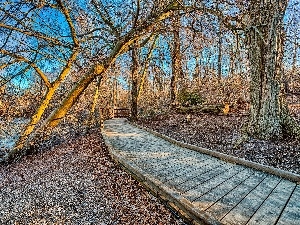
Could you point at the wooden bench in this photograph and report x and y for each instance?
(121, 112)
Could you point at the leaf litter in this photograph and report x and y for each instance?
(76, 182)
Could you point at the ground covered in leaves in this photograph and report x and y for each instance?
(220, 133)
(75, 182)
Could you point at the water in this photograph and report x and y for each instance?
(10, 132)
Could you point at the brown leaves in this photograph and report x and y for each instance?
(75, 183)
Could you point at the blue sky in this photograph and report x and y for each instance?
(52, 22)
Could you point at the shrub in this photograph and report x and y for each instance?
(190, 98)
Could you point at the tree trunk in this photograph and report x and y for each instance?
(176, 61)
(134, 82)
(269, 116)
(35, 119)
(220, 53)
(95, 113)
(113, 97)
(146, 67)
(56, 116)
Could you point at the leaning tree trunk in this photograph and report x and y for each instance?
(269, 115)
(36, 118)
(121, 46)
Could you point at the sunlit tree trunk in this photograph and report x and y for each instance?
(295, 59)
(95, 117)
(35, 119)
(56, 116)
(113, 96)
(98, 70)
(269, 115)
(143, 73)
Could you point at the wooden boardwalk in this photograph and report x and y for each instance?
(202, 188)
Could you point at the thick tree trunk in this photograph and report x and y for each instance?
(134, 83)
(269, 116)
(56, 116)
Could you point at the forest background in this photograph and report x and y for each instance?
(71, 63)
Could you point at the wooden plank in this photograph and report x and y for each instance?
(180, 172)
(171, 160)
(241, 213)
(176, 170)
(167, 162)
(220, 208)
(198, 191)
(200, 169)
(150, 158)
(207, 200)
(291, 214)
(159, 169)
(154, 165)
(205, 174)
(270, 210)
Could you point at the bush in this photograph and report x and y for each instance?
(190, 98)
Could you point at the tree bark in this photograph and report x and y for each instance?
(145, 68)
(56, 116)
(94, 118)
(269, 115)
(220, 53)
(134, 82)
(176, 61)
(35, 119)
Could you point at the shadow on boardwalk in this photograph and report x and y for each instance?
(202, 188)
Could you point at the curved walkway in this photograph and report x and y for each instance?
(202, 188)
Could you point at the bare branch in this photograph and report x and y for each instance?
(36, 35)
(33, 65)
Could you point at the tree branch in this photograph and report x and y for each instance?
(36, 35)
(32, 64)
